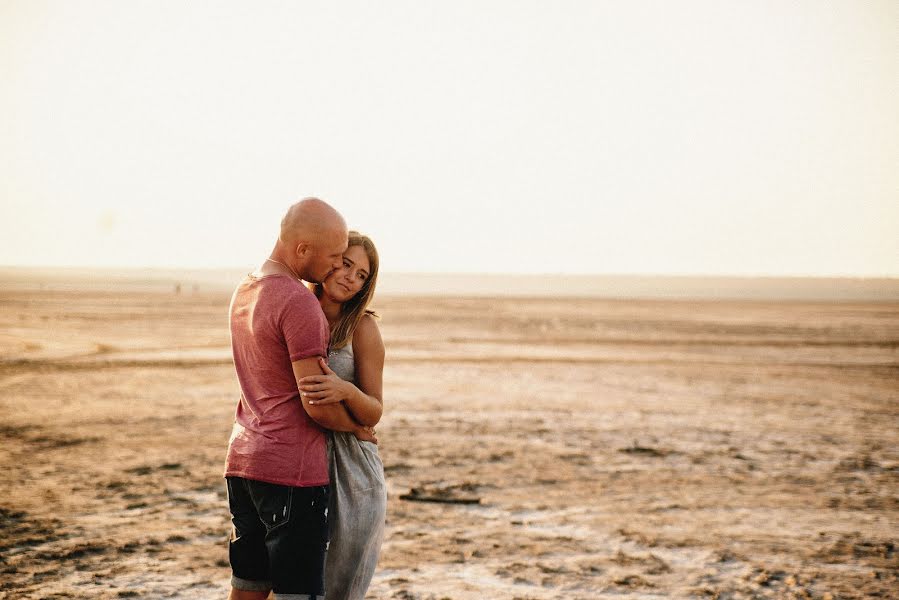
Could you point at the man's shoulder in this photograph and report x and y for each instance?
(298, 295)
(284, 288)
(276, 294)
(295, 301)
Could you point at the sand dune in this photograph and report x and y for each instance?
(610, 448)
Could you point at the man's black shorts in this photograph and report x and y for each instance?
(279, 537)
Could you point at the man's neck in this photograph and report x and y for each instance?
(276, 264)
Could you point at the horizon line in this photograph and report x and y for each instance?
(418, 273)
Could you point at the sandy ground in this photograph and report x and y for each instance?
(619, 449)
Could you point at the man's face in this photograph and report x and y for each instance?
(327, 255)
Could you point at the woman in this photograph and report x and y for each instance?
(358, 501)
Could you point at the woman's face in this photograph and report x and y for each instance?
(345, 282)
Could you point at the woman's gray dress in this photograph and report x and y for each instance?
(358, 504)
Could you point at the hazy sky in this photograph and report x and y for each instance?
(578, 137)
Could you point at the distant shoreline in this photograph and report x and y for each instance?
(659, 287)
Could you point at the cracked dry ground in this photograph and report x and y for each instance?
(627, 449)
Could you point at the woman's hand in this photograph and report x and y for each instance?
(323, 389)
(366, 434)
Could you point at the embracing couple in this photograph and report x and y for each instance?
(303, 465)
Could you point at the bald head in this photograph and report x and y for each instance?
(312, 240)
(308, 219)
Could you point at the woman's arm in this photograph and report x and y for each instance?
(368, 350)
(335, 417)
(364, 400)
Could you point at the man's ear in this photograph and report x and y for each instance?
(302, 249)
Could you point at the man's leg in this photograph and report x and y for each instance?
(250, 574)
(297, 533)
(247, 595)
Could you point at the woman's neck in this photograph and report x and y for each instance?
(330, 308)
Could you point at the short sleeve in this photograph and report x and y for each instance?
(304, 327)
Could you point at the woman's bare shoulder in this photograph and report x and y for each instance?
(367, 334)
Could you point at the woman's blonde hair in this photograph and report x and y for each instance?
(354, 309)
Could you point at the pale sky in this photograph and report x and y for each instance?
(716, 138)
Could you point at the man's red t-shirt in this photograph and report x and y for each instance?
(275, 320)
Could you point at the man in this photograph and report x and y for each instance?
(277, 464)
